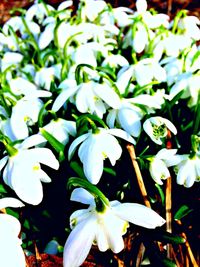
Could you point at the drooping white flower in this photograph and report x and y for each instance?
(45, 76)
(39, 11)
(105, 228)
(160, 162)
(188, 84)
(90, 9)
(11, 59)
(21, 86)
(23, 172)
(95, 148)
(129, 115)
(24, 113)
(11, 253)
(92, 97)
(190, 27)
(188, 170)
(157, 128)
(58, 128)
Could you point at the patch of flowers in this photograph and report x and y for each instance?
(77, 87)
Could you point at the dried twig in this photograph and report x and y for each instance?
(143, 191)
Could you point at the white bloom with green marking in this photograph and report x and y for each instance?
(23, 172)
(104, 227)
(96, 147)
(157, 128)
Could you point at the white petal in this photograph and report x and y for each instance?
(75, 143)
(10, 202)
(3, 162)
(33, 140)
(170, 125)
(26, 185)
(62, 98)
(105, 92)
(44, 156)
(122, 134)
(81, 195)
(130, 121)
(79, 243)
(158, 171)
(139, 215)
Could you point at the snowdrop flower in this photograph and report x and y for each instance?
(58, 128)
(11, 253)
(45, 76)
(160, 162)
(17, 24)
(103, 227)
(129, 115)
(189, 25)
(24, 114)
(95, 148)
(114, 61)
(11, 59)
(144, 72)
(147, 70)
(23, 172)
(171, 44)
(173, 67)
(157, 128)
(188, 170)
(39, 11)
(89, 97)
(21, 86)
(136, 37)
(90, 9)
(188, 83)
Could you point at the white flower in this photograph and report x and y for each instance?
(188, 84)
(95, 148)
(21, 86)
(160, 162)
(90, 9)
(188, 170)
(59, 128)
(39, 11)
(11, 253)
(11, 59)
(189, 25)
(23, 172)
(157, 128)
(45, 76)
(92, 97)
(114, 61)
(24, 113)
(129, 115)
(104, 228)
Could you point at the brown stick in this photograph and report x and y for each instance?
(168, 207)
(188, 248)
(143, 191)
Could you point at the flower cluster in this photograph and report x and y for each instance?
(78, 85)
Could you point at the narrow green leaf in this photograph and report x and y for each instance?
(182, 212)
(77, 168)
(58, 146)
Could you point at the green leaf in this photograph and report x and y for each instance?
(58, 146)
(2, 189)
(110, 171)
(77, 168)
(167, 237)
(78, 182)
(182, 212)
